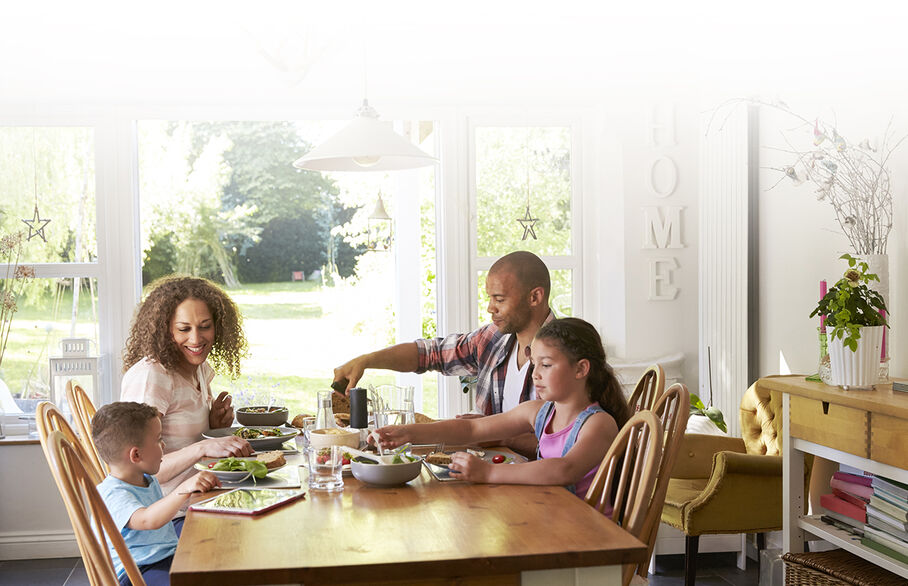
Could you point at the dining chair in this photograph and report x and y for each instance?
(49, 419)
(627, 476)
(83, 410)
(673, 410)
(88, 514)
(648, 390)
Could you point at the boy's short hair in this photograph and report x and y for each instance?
(120, 425)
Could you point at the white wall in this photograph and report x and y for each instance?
(800, 240)
(657, 136)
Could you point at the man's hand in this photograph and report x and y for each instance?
(221, 414)
(348, 374)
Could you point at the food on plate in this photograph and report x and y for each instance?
(498, 458)
(256, 468)
(261, 409)
(272, 459)
(342, 419)
(257, 433)
(439, 459)
(298, 420)
(477, 453)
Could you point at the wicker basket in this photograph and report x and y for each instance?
(835, 567)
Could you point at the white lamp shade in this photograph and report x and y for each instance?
(366, 144)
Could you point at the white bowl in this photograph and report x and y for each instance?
(386, 474)
(334, 436)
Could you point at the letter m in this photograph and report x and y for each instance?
(659, 233)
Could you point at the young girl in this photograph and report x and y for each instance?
(579, 410)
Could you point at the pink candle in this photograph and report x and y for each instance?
(823, 291)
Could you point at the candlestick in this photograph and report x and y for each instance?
(883, 349)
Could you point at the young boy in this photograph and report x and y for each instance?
(128, 437)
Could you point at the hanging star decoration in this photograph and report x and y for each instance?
(36, 225)
(528, 222)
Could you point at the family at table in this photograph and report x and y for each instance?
(544, 389)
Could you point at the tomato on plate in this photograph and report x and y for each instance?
(211, 464)
(497, 459)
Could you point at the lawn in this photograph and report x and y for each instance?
(298, 332)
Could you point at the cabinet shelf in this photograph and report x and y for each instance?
(813, 524)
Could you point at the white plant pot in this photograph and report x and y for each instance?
(860, 369)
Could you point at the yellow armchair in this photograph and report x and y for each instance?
(729, 485)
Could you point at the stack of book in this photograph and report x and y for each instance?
(873, 508)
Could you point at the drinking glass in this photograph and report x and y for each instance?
(326, 468)
(392, 405)
(308, 426)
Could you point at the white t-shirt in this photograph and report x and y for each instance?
(184, 407)
(513, 382)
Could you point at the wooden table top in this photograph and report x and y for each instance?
(882, 399)
(425, 529)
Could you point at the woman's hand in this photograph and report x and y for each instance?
(468, 467)
(394, 435)
(221, 414)
(223, 447)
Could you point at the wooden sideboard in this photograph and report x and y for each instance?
(864, 429)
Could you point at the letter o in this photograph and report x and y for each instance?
(672, 176)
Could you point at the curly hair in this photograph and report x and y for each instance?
(578, 339)
(150, 335)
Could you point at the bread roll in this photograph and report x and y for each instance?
(298, 420)
(340, 403)
(439, 459)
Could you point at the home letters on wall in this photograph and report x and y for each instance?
(662, 225)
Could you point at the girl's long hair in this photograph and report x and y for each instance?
(579, 340)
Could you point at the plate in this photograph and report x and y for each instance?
(228, 475)
(443, 473)
(258, 444)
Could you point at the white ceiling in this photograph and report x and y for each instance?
(429, 51)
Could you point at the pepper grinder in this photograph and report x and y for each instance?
(359, 414)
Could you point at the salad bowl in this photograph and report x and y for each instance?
(260, 438)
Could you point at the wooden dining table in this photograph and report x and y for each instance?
(424, 532)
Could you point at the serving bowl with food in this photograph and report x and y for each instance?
(403, 468)
(262, 415)
(239, 469)
(260, 438)
(334, 436)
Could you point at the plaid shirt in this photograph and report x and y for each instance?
(482, 353)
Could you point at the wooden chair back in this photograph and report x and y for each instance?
(83, 410)
(49, 419)
(673, 410)
(90, 518)
(648, 390)
(626, 477)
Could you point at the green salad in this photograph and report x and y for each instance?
(256, 468)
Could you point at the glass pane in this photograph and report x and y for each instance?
(516, 167)
(559, 298)
(56, 168)
(222, 200)
(48, 310)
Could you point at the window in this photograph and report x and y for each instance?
(48, 173)
(221, 200)
(525, 198)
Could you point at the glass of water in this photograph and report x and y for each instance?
(326, 467)
(392, 405)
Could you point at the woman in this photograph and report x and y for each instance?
(183, 324)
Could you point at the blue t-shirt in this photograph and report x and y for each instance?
(124, 499)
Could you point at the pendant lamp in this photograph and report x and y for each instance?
(366, 144)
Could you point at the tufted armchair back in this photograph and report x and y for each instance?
(761, 421)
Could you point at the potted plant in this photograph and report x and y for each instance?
(855, 318)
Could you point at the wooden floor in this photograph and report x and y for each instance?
(713, 569)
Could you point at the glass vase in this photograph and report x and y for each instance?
(824, 369)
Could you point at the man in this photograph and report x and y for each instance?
(518, 287)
